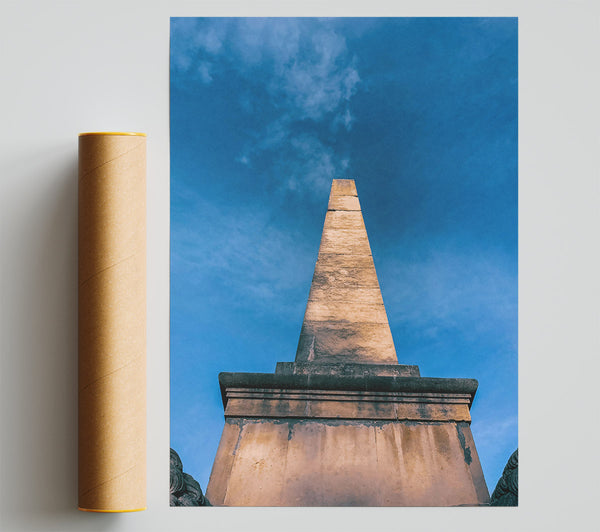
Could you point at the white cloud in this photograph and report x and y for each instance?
(492, 430)
(204, 71)
(449, 288)
(305, 69)
(212, 39)
(315, 164)
(256, 261)
(323, 79)
(256, 40)
(196, 47)
(243, 159)
(345, 119)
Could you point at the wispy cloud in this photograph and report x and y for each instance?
(323, 80)
(305, 76)
(315, 164)
(489, 431)
(194, 52)
(256, 262)
(496, 438)
(449, 288)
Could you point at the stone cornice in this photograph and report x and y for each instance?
(267, 395)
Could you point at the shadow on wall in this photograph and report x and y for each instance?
(38, 377)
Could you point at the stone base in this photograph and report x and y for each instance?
(347, 370)
(305, 439)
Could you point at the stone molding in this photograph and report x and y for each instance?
(419, 399)
(345, 369)
(347, 382)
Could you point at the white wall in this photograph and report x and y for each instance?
(68, 67)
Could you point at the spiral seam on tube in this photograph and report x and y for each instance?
(113, 265)
(104, 172)
(107, 481)
(133, 360)
(81, 177)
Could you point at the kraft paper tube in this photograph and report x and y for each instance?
(112, 322)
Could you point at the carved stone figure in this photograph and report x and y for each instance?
(184, 490)
(507, 489)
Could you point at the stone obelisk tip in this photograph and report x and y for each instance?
(343, 187)
(345, 319)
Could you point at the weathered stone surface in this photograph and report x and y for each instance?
(217, 485)
(365, 296)
(325, 396)
(359, 383)
(354, 314)
(341, 342)
(345, 319)
(467, 444)
(348, 463)
(507, 489)
(345, 424)
(345, 242)
(258, 467)
(343, 203)
(343, 276)
(184, 489)
(343, 187)
(344, 220)
(347, 370)
(348, 406)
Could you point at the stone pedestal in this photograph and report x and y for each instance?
(310, 439)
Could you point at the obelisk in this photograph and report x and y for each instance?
(345, 320)
(345, 424)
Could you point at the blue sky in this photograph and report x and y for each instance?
(422, 113)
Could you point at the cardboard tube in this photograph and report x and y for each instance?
(112, 322)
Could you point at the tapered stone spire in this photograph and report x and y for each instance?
(345, 320)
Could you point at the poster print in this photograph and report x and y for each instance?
(343, 261)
